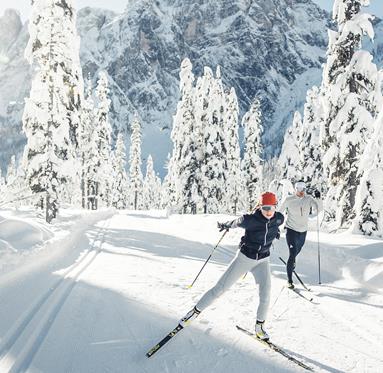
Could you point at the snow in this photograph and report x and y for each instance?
(97, 290)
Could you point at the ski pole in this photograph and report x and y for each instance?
(189, 286)
(319, 279)
(276, 299)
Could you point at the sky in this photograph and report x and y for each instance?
(23, 6)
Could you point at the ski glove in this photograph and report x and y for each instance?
(317, 194)
(223, 226)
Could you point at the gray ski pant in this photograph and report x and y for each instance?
(240, 265)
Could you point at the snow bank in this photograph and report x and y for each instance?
(20, 235)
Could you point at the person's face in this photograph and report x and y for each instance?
(268, 211)
(300, 193)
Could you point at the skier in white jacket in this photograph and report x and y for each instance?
(298, 208)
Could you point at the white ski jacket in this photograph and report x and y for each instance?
(299, 209)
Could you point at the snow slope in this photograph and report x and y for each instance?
(102, 288)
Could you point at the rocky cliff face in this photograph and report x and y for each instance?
(15, 82)
(272, 49)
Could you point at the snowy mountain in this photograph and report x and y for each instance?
(271, 49)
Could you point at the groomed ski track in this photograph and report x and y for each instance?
(124, 286)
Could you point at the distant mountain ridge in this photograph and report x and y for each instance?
(272, 49)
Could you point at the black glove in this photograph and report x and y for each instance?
(278, 236)
(223, 226)
(317, 193)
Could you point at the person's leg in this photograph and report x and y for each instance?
(292, 245)
(237, 268)
(301, 239)
(261, 273)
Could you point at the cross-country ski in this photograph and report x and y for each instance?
(275, 348)
(300, 294)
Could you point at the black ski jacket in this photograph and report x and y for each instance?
(259, 233)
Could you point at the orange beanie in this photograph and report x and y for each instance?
(268, 198)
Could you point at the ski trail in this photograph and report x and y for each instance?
(45, 310)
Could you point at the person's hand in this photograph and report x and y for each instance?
(278, 236)
(223, 226)
(317, 193)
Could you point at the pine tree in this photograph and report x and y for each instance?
(104, 131)
(3, 188)
(168, 192)
(214, 166)
(349, 86)
(158, 189)
(186, 137)
(290, 158)
(369, 202)
(310, 144)
(135, 174)
(90, 161)
(51, 113)
(252, 161)
(150, 187)
(234, 182)
(120, 182)
(11, 171)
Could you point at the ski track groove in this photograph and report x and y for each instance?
(347, 324)
(54, 300)
(320, 311)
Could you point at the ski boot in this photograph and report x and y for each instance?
(260, 332)
(189, 317)
(290, 285)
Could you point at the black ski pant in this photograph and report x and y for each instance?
(295, 241)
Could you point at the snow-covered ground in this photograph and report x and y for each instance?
(95, 291)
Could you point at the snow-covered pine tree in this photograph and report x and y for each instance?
(369, 201)
(168, 191)
(214, 165)
(310, 144)
(16, 187)
(252, 161)
(350, 93)
(150, 187)
(290, 158)
(104, 131)
(270, 173)
(3, 188)
(234, 190)
(135, 173)
(120, 183)
(88, 147)
(11, 171)
(158, 187)
(186, 137)
(51, 115)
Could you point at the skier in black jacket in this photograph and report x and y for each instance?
(261, 228)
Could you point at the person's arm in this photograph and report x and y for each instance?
(280, 221)
(317, 204)
(283, 206)
(237, 223)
